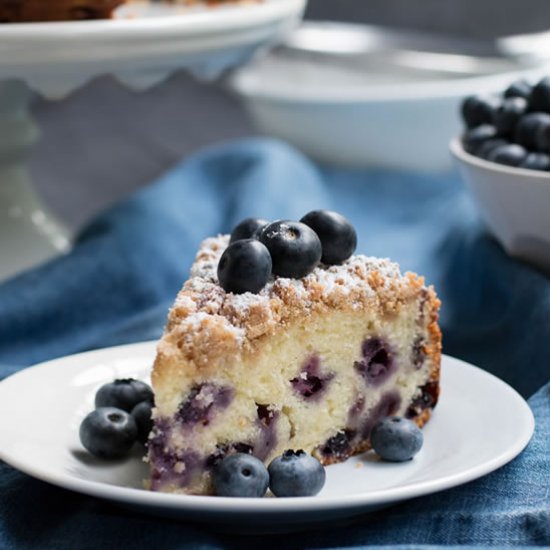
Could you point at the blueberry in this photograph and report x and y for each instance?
(337, 235)
(542, 137)
(108, 432)
(396, 439)
(510, 155)
(339, 445)
(123, 394)
(536, 161)
(527, 128)
(477, 110)
(245, 266)
(240, 475)
(309, 386)
(507, 115)
(296, 474)
(141, 413)
(488, 145)
(202, 402)
(473, 139)
(294, 247)
(519, 88)
(429, 395)
(247, 229)
(310, 382)
(539, 100)
(377, 363)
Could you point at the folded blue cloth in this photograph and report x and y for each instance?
(117, 283)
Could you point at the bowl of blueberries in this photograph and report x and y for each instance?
(504, 158)
(362, 96)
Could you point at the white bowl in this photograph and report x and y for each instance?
(515, 204)
(356, 112)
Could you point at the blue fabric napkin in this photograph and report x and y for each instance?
(126, 267)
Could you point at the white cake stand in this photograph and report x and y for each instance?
(141, 46)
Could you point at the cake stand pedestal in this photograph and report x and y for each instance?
(140, 47)
(29, 234)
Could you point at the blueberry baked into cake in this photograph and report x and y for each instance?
(282, 339)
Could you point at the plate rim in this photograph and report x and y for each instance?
(237, 506)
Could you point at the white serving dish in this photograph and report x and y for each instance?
(375, 111)
(141, 46)
(514, 202)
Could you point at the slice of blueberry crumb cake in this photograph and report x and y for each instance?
(311, 357)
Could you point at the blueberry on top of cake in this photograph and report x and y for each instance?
(307, 363)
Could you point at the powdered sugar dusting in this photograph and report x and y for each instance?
(203, 321)
(353, 283)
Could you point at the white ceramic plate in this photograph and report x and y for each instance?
(464, 440)
(142, 44)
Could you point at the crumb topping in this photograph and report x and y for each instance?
(205, 315)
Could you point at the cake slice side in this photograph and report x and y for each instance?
(310, 363)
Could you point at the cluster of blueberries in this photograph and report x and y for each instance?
(513, 129)
(122, 416)
(259, 249)
(298, 474)
(293, 474)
